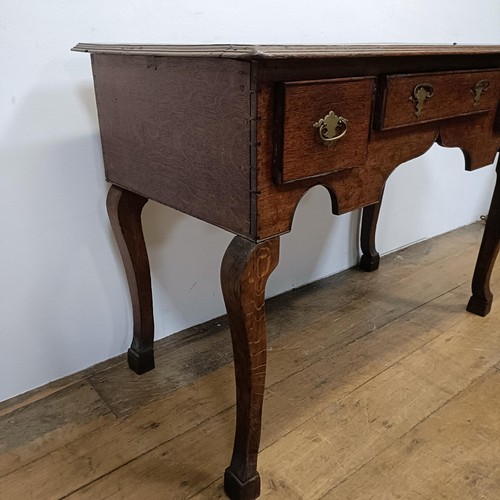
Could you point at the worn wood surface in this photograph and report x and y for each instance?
(250, 52)
(476, 136)
(245, 269)
(452, 96)
(362, 186)
(37, 428)
(349, 189)
(454, 453)
(365, 373)
(202, 349)
(299, 152)
(177, 131)
(200, 131)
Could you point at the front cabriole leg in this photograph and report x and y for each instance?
(124, 210)
(245, 269)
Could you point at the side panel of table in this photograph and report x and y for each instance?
(177, 131)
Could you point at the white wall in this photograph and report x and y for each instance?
(64, 303)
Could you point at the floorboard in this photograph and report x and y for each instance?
(379, 386)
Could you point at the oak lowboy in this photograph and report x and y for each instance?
(235, 135)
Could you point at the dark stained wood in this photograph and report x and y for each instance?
(223, 133)
(177, 131)
(370, 258)
(349, 189)
(299, 151)
(124, 210)
(475, 135)
(241, 205)
(272, 70)
(358, 187)
(452, 97)
(244, 272)
(482, 297)
(284, 69)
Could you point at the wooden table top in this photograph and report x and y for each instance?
(253, 52)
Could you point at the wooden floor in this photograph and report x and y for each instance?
(380, 386)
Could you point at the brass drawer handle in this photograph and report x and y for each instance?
(478, 90)
(331, 128)
(421, 93)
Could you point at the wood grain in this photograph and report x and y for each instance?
(475, 136)
(244, 272)
(38, 428)
(299, 152)
(251, 52)
(345, 435)
(359, 187)
(177, 131)
(175, 444)
(354, 307)
(200, 132)
(452, 454)
(348, 189)
(178, 469)
(452, 97)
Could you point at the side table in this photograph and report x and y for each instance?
(235, 135)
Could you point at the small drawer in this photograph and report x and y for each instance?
(321, 126)
(426, 97)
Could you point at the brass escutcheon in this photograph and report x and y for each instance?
(478, 90)
(331, 128)
(421, 93)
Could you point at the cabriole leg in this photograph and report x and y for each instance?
(124, 210)
(245, 269)
(482, 298)
(370, 258)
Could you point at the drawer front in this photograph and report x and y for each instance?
(321, 127)
(426, 97)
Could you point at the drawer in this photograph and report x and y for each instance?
(320, 126)
(426, 97)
